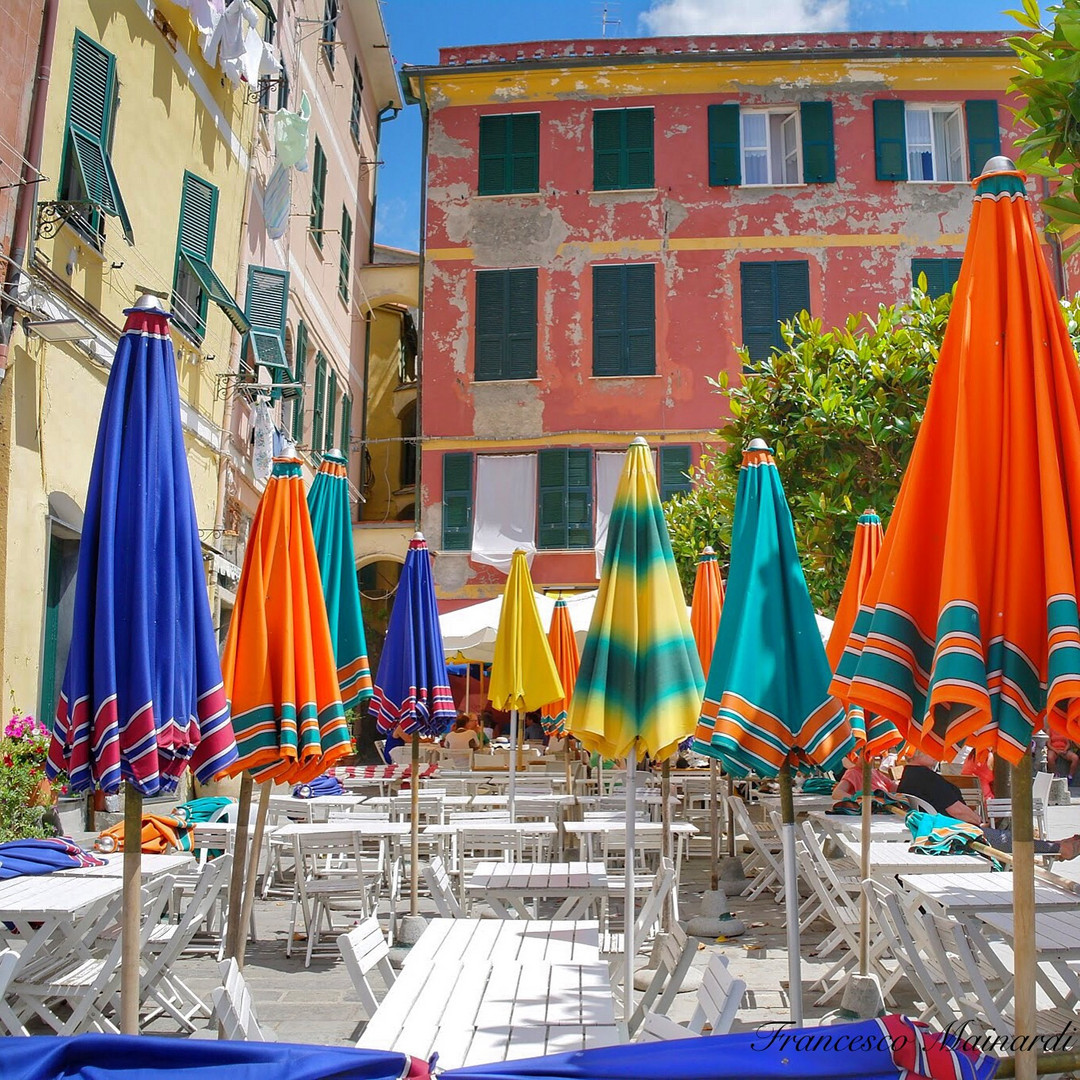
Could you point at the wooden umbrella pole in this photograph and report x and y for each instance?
(132, 911)
(252, 868)
(864, 868)
(667, 916)
(236, 879)
(1023, 852)
(714, 827)
(414, 837)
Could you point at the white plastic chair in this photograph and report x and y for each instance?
(235, 1009)
(441, 889)
(765, 857)
(9, 1022)
(363, 949)
(718, 1003)
(673, 954)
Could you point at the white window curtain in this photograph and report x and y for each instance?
(504, 509)
(609, 467)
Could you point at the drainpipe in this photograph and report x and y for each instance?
(417, 502)
(379, 120)
(24, 206)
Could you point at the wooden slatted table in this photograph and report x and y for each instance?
(964, 894)
(888, 827)
(464, 997)
(151, 867)
(508, 886)
(891, 860)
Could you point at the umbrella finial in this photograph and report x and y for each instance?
(758, 444)
(1000, 163)
(148, 302)
(707, 550)
(418, 535)
(640, 441)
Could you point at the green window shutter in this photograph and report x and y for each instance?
(265, 307)
(319, 403)
(345, 257)
(640, 319)
(318, 193)
(818, 147)
(524, 137)
(329, 31)
(725, 164)
(493, 164)
(983, 132)
(457, 501)
(299, 369)
(509, 154)
(792, 291)
(551, 499)
(941, 274)
(639, 148)
(490, 324)
(90, 103)
(579, 499)
(607, 149)
(331, 410)
(356, 106)
(890, 141)
(521, 324)
(607, 320)
(674, 470)
(346, 426)
(759, 329)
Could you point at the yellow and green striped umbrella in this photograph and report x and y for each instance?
(640, 678)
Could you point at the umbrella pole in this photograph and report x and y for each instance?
(864, 869)
(791, 895)
(468, 682)
(513, 761)
(252, 869)
(731, 817)
(414, 837)
(236, 880)
(1023, 852)
(714, 828)
(629, 944)
(665, 837)
(132, 917)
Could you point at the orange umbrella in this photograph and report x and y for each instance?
(880, 734)
(564, 651)
(706, 606)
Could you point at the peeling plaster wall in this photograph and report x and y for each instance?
(857, 234)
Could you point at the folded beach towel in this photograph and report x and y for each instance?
(881, 802)
(321, 785)
(205, 809)
(818, 785)
(160, 835)
(939, 834)
(23, 858)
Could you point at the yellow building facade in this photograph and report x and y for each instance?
(146, 150)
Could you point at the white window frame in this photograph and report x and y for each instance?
(789, 113)
(933, 109)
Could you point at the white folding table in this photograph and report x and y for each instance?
(892, 860)
(964, 894)
(508, 886)
(887, 827)
(151, 867)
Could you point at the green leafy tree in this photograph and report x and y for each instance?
(1049, 85)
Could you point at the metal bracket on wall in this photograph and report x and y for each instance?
(52, 215)
(264, 86)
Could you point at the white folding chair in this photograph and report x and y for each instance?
(765, 858)
(441, 889)
(363, 949)
(235, 1009)
(9, 1022)
(647, 920)
(718, 1003)
(673, 953)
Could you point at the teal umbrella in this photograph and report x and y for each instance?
(331, 525)
(767, 703)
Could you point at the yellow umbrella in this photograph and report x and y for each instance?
(523, 672)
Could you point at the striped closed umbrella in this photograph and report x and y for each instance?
(639, 687)
(706, 605)
(523, 673)
(331, 524)
(767, 703)
(564, 652)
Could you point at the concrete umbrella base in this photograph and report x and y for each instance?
(715, 919)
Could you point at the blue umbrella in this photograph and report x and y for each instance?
(142, 696)
(412, 687)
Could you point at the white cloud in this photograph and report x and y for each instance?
(673, 18)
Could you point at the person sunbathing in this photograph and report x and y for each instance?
(850, 784)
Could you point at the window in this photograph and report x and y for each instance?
(265, 306)
(771, 146)
(63, 566)
(318, 193)
(674, 470)
(565, 497)
(941, 274)
(457, 501)
(319, 404)
(408, 445)
(346, 426)
(622, 149)
(283, 89)
(266, 86)
(329, 31)
(356, 109)
(505, 324)
(297, 396)
(345, 258)
(86, 170)
(331, 410)
(771, 292)
(926, 142)
(194, 280)
(509, 154)
(624, 320)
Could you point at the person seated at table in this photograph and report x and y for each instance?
(920, 779)
(462, 737)
(534, 730)
(395, 739)
(1002, 840)
(1061, 757)
(472, 723)
(980, 763)
(851, 783)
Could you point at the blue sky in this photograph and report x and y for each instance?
(419, 28)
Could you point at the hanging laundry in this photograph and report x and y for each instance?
(205, 14)
(236, 47)
(262, 453)
(291, 135)
(276, 202)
